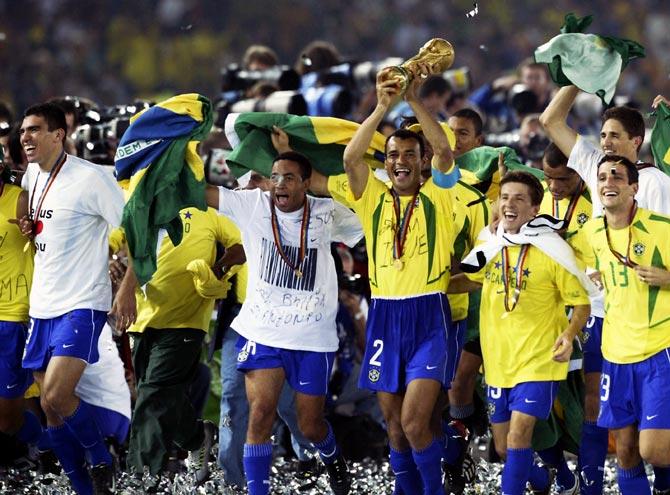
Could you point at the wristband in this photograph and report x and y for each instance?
(448, 180)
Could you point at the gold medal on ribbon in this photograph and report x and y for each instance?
(398, 264)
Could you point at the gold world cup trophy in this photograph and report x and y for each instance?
(438, 54)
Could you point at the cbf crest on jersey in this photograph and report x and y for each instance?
(638, 248)
(582, 218)
(373, 375)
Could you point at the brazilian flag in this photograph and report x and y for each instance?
(660, 138)
(158, 165)
(321, 139)
(479, 168)
(591, 62)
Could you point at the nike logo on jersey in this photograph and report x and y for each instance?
(304, 383)
(649, 418)
(189, 340)
(528, 401)
(67, 346)
(9, 387)
(430, 367)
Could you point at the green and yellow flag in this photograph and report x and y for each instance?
(591, 62)
(321, 139)
(157, 163)
(479, 168)
(660, 138)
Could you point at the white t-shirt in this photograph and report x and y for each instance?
(71, 246)
(103, 384)
(654, 186)
(281, 309)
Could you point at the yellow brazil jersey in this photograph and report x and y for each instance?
(171, 300)
(428, 246)
(338, 187)
(16, 266)
(579, 211)
(517, 346)
(472, 211)
(637, 320)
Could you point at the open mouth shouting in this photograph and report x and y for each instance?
(402, 173)
(510, 216)
(29, 149)
(281, 199)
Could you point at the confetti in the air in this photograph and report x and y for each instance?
(484, 48)
(187, 27)
(306, 60)
(473, 12)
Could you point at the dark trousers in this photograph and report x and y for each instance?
(165, 362)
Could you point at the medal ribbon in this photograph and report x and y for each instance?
(402, 224)
(518, 276)
(624, 260)
(47, 185)
(304, 228)
(572, 206)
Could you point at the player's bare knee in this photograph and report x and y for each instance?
(656, 454)
(415, 429)
(313, 429)
(396, 436)
(260, 416)
(52, 402)
(519, 438)
(627, 453)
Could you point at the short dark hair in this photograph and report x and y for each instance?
(554, 157)
(260, 53)
(52, 113)
(435, 84)
(321, 54)
(68, 106)
(407, 134)
(631, 168)
(630, 119)
(303, 162)
(523, 177)
(472, 116)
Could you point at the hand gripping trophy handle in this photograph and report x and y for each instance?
(437, 53)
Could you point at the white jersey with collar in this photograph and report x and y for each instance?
(281, 309)
(71, 245)
(654, 185)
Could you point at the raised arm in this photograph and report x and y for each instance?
(443, 158)
(555, 119)
(318, 184)
(354, 164)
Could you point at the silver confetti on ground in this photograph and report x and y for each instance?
(368, 477)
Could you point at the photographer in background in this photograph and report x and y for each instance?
(509, 98)
(259, 57)
(532, 141)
